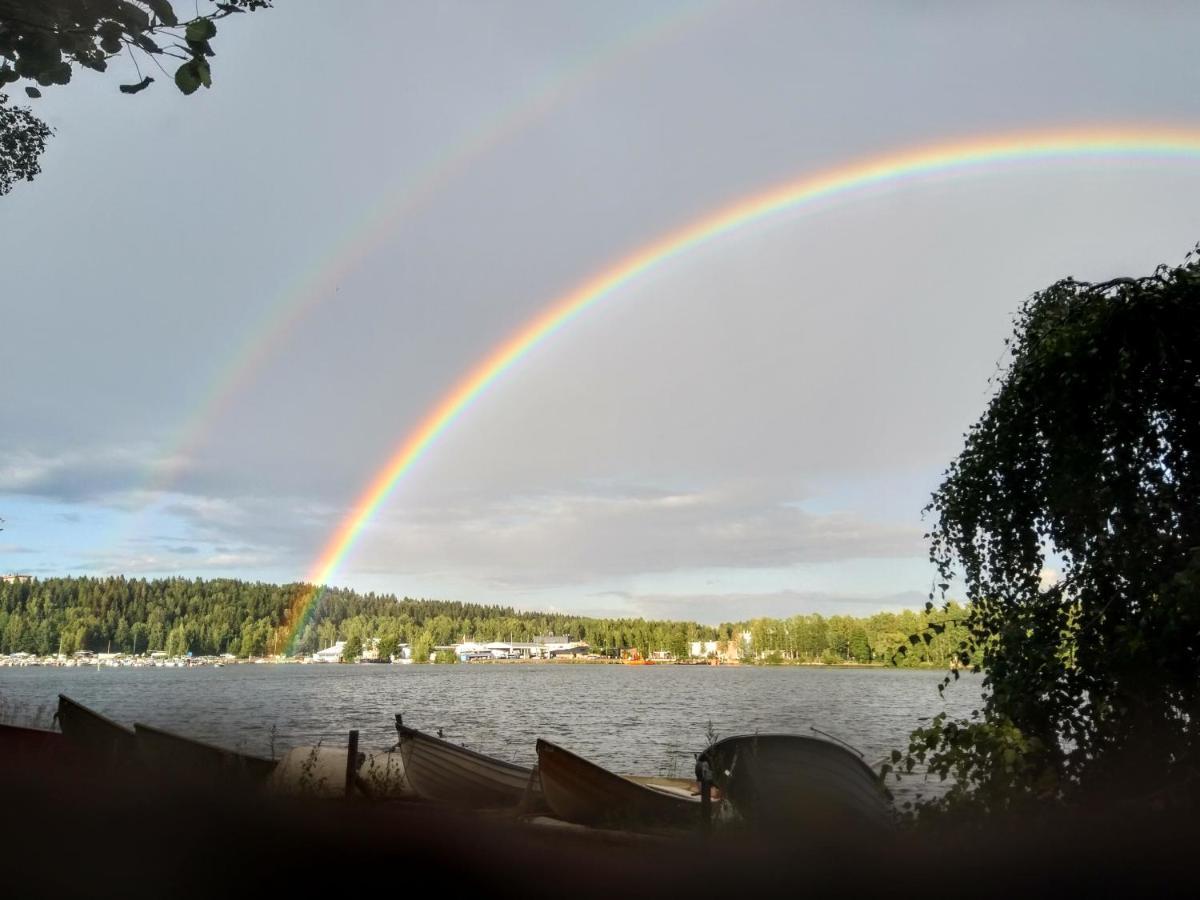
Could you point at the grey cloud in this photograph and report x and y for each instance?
(573, 538)
(102, 474)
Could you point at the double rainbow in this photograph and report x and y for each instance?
(976, 155)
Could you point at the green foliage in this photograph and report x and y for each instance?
(42, 41)
(353, 649)
(1086, 456)
(881, 638)
(422, 648)
(389, 640)
(445, 657)
(252, 619)
(177, 642)
(22, 141)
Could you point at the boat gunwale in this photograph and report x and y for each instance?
(88, 711)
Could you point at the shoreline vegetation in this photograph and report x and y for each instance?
(179, 621)
(118, 661)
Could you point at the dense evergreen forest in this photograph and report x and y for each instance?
(208, 617)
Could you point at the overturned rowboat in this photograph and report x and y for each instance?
(186, 758)
(19, 744)
(438, 770)
(796, 783)
(95, 735)
(580, 791)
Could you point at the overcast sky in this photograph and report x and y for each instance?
(750, 429)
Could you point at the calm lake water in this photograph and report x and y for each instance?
(645, 720)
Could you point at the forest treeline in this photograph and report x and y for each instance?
(214, 616)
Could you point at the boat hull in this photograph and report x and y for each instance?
(580, 791)
(95, 735)
(789, 783)
(32, 746)
(187, 759)
(443, 772)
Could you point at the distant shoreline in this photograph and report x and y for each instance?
(127, 662)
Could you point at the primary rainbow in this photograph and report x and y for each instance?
(981, 153)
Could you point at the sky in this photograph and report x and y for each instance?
(365, 206)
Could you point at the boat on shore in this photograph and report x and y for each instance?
(580, 791)
(31, 745)
(96, 735)
(790, 783)
(443, 772)
(187, 758)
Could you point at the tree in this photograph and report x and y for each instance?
(22, 142)
(177, 642)
(389, 641)
(41, 42)
(1086, 458)
(353, 649)
(423, 647)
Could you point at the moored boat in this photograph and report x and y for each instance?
(186, 758)
(94, 734)
(580, 791)
(438, 770)
(790, 783)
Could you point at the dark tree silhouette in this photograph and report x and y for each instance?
(1087, 458)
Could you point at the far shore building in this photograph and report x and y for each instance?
(726, 651)
(330, 654)
(546, 646)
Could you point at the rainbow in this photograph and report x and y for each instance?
(981, 154)
(317, 283)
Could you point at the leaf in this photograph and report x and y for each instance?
(200, 30)
(133, 17)
(33, 92)
(187, 79)
(135, 88)
(162, 9)
(146, 44)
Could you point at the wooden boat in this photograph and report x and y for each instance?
(789, 783)
(581, 791)
(97, 736)
(447, 773)
(189, 759)
(34, 745)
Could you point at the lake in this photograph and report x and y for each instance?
(644, 720)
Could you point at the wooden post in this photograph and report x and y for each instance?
(704, 776)
(351, 761)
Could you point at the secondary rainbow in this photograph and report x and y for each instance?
(311, 287)
(976, 155)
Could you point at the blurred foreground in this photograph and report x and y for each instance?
(73, 829)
